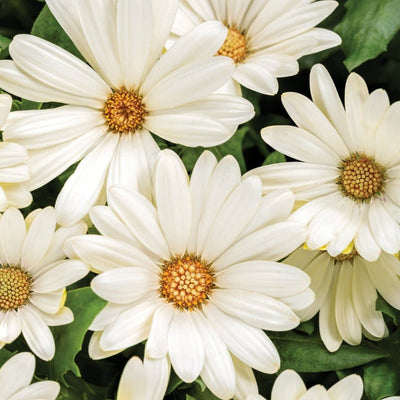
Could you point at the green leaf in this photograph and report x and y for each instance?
(308, 353)
(274, 157)
(6, 355)
(78, 389)
(4, 42)
(382, 378)
(85, 305)
(382, 305)
(48, 28)
(367, 28)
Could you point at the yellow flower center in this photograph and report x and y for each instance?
(234, 46)
(124, 111)
(361, 177)
(15, 287)
(346, 256)
(186, 282)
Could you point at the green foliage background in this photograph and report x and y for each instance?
(371, 47)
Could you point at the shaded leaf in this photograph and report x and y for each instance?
(308, 353)
(367, 28)
(47, 27)
(274, 157)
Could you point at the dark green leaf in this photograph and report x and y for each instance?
(78, 389)
(5, 355)
(4, 42)
(367, 28)
(381, 305)
(382, 378)
(308, 353)
(48, 28)
(85, 305)
(274, 157)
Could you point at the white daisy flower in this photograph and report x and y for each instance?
(290, 386)
(349, 175)
(15, 378)
(132, 89)
(147, 380)
(202, 262)
(265, 38)
(33, 277)
(346, 289)
(14, 172)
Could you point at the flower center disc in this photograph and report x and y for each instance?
(362, 178)
(186, 281)
(15, 288)
(124, 111)
(234, 46)
(348, 256)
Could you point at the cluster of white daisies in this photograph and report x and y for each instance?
(192, 265)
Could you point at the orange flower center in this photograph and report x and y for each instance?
(15, 287)
(361, 177)
(124, 111)
(186, 282)
(234, 46)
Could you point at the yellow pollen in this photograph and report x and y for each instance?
(124, 111)
(361, 177)
(234, 46)
(186, 281)
(346, 256)
(15, 287)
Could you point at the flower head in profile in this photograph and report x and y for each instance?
(265, 38)
(195, 272)
(33, 277)
(14, 172)
(130, 89)
(349, 176)
(346, 289)
(16, 375)
(144, 380)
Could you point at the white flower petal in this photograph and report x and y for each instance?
(11, 153)
(16, 373)
(38, 238)
(83, 187)
(140, 216)
(157, 342)
(40, 390)
(348, 324)
(299, 144)
(256, 77)
(172, 195)
(251, 345)
(10, 326)
(12, 236)
(132, 384)
(37, 334)
(95, 350)
(59, 69)
(232, 218)
(364, 299)
(157, 370)
(63, 274)
(288, 385)
(62, 317)
(116, 285)
(255, 309)
(185, 347)
(218, 372)
(5, 107)
(349, 388)
(47, 302)
(265, 277)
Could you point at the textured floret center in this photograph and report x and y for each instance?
(15, 287)
(186, 282)
(361, 177)
(234, 46)
(346, 256)
(124, 111)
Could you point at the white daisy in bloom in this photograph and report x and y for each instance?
(15, 378)
(265, 38)
(132, 89)
(14, 172)
(196, 274)
(349, 176)
(33, 277)
(147, 380)
(290, 386)
(346, 289)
